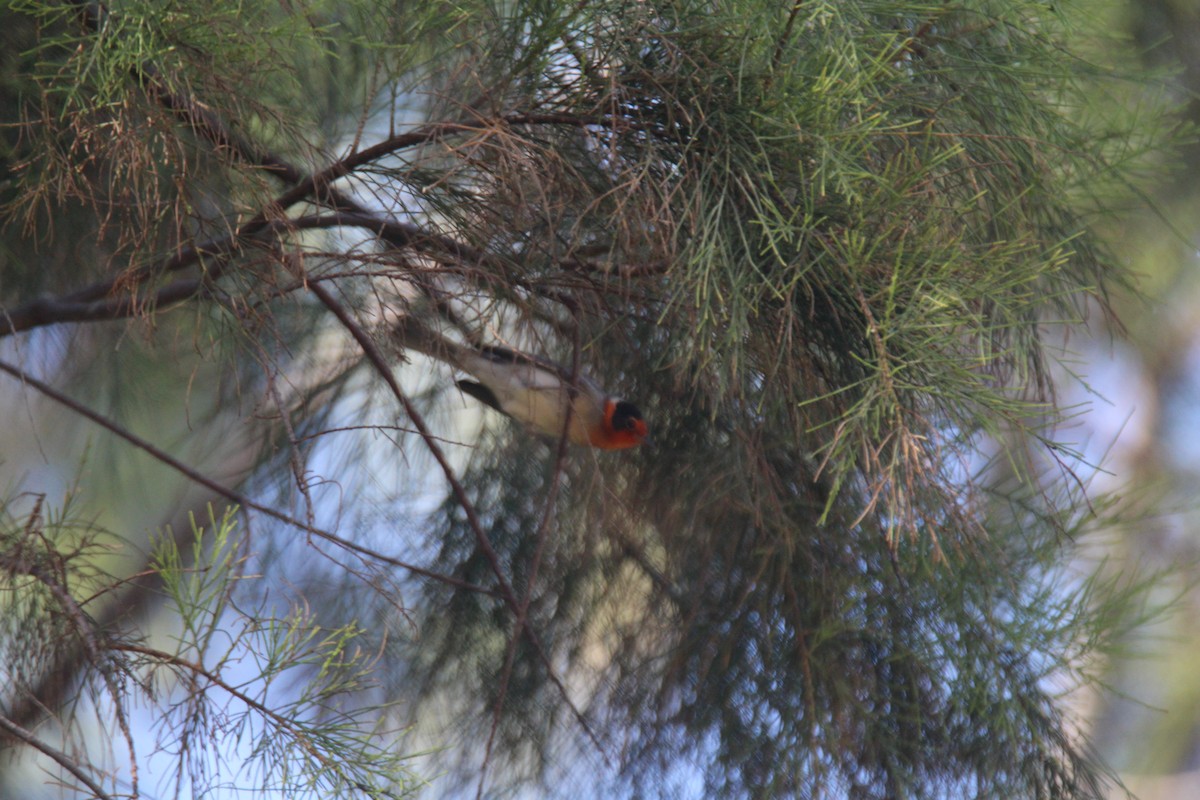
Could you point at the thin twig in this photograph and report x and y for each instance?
(224, 491)
(781, 42)
(283, 722)
(375, 357)
(542, 530)
(66, 762)
(85, 630)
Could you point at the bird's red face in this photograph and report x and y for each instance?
(623, 427)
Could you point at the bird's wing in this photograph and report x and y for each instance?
(539, 373)
(481, 393)
(534, 391)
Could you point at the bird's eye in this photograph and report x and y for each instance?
(624, 417)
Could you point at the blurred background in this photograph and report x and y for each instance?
(1145, 424)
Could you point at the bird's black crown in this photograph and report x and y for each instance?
(624, 415)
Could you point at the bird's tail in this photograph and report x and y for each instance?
(412, 334)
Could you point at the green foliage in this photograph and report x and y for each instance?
(278, 690)
(824, 246)
(290, 713)
(51, 581)
(854, 236)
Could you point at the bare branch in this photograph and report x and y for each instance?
(224, 491)
(371, 350)
(66, 762)
(50, 571)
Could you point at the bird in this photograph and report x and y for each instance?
(533, 390)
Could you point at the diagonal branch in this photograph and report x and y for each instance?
(51, 571)
(99, 301)
(96, 301)
(65, 761)
(224, 491)
(132, 596)
(373, 354)
(543, 531)
(283, 722)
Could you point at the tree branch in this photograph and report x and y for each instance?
(49, 569)
(66, 762)
(371, 350)
(223, 491)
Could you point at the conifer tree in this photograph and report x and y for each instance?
(829, 249)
